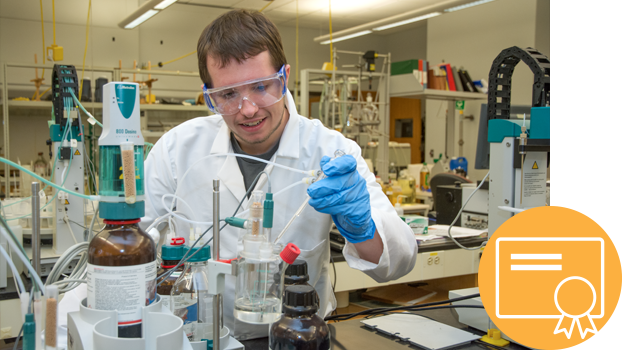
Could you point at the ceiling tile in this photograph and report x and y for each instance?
(219, 3)
(303, 6)
(259, 4)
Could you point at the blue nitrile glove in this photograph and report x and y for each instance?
(343, 194)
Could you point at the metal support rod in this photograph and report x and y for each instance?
(36, 225)
(217, 297)
(216, 320)
(216, 220)
(5, 129)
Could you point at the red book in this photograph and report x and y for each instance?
(450, 77)
(421, 72)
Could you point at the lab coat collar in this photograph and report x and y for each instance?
(289, 142)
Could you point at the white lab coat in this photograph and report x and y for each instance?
(303, 144)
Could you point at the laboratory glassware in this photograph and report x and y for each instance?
(190, 299)
(121, 264)
(299, 328)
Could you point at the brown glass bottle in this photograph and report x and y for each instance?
(114, 256)
(170, 256)
(297, 274)
(299, 328)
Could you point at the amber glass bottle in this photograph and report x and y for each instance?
(170, 255)
(121, 273)
(299, 328)
(297, 274)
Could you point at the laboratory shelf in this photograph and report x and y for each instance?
(431, 94)
(98, 105)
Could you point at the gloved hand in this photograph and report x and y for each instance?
(344, 195)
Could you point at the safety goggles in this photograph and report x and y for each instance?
(262, 92)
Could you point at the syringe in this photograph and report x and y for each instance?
(320, 176)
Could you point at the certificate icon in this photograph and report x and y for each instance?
(560, 278)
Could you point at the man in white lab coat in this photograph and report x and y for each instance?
(244, 70)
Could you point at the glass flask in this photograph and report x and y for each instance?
(190, 299)
(121, 273)
(170, 256)
(40, 167)
(299, 328)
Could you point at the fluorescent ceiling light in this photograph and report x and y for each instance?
(411, 20)
(144, 12)
(471, 4)
(163, 5)
(364, 32)
(144, 17)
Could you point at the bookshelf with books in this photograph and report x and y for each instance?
(419, 79)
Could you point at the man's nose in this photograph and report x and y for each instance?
(248, 108)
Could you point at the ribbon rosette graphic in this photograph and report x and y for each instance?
(567, 322)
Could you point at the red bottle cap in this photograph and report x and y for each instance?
(290, 253)
(177, 241)
(122, 222)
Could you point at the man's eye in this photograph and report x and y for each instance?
(227, 95)
(262, 87)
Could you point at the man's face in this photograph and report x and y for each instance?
(256, 129)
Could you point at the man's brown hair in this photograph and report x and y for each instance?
(239, 35)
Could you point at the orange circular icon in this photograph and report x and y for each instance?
(550, 278)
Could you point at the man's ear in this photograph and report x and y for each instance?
(287, 71)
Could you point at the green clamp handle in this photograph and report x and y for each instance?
(236, 222)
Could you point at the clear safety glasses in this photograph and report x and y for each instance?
(261, 93)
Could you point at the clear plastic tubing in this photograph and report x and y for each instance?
(280, 192)
(15, 165)
(24, 259)
(13, 269)
(305, 172)
(172, 213)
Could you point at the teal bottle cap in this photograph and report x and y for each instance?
(203, 255)
(172, 252)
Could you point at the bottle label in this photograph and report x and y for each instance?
(122, 288)
(165, 301)
(185, 307)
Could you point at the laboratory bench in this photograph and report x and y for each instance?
(437, 258)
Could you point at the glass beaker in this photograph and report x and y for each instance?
(255, 300)
(258, 295)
